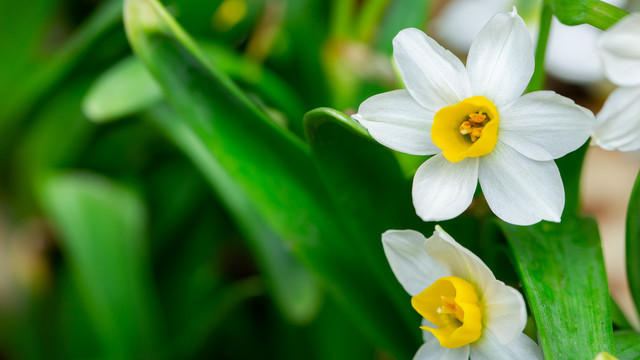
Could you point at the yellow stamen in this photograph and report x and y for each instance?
(451, 303)
(466, 129)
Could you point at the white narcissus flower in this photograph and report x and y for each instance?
(466, 311)
(479, 126)
(618, 123)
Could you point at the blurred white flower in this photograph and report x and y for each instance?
(466, 311)
(618, 123)
(479, 126)
(572, 53)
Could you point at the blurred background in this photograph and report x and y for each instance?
(113, 243)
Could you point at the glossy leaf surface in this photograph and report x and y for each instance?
(564, 261)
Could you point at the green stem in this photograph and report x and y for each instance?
(341, 15)
(369, 18)
(537, 80)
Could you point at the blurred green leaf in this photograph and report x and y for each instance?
(294, 289)
(344, 342)
(367, 185)
(124, 89)
(593, 12)
(402, 14)
(264, 175)
(222, 301)
(55, 138)
(562, 269)
(70, 333)
(633, 243)
(37, 82)
(128, 87)
(102, 230)
(627, 345)
(23, 25)
(618, 317)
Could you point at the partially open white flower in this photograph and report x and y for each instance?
(618, 123)
(478, 124)
(466, 311)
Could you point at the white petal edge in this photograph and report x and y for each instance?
(397, 121)
(433, 75)
(543, 125)
(489, 348)
(443, 190)
(620, 51)
(519, 190)
(410, 263)
(501, 59)
(432, 350)
(618, 122)
(504, 310)
(458, 261)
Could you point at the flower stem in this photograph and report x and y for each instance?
(340, 18)
(369, 19)
(538, 78)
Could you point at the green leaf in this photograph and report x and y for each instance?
(562, 269)
(102, 230)
(594, 12)
(618, 317)
(402, 14)
(124, 89)
(28, 90)
(570, 167)
(367, 185)
(627, 345)
(265, 176)
(633, 243)
(56, 136)
(128, 87)
(294, 289)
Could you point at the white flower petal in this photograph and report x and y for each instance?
(489, 348)
(458, 261)
(544, 125)
(519, 190)
(504, 310)
(413, 268)
(620, 51)
(501, 62)
(443, 190)
(432, 350)
(618, 123)
(397, 121)
(434, 76)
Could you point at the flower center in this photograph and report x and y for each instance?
(451, 303)
(466, 129)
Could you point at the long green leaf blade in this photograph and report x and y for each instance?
(633, 243)
(102, 229)
(294, 289)
(367, 185)
(627, 345)
(562, 268)
(268, 168)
